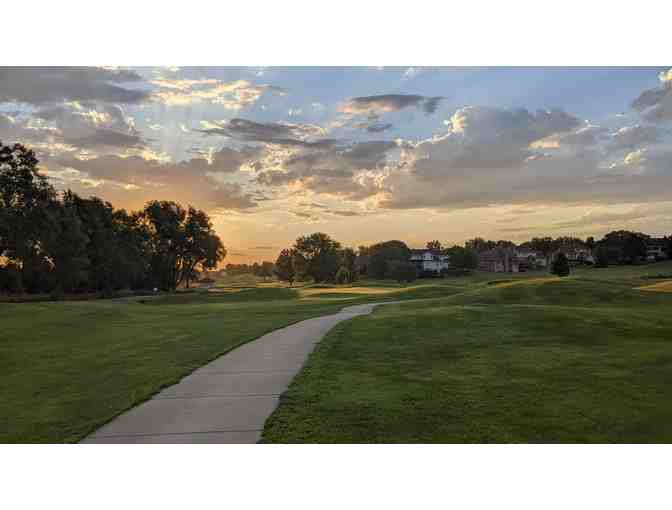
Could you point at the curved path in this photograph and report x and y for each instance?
(229, 399)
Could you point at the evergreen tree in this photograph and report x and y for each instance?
(560, 266)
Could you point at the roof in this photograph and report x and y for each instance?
(420, 251)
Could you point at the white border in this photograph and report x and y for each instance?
(344, 33)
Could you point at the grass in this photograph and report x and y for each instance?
(516, 360)
(67, 368)
(540, 359)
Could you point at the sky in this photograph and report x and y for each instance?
(363, 154)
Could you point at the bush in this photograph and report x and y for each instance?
(401, 271)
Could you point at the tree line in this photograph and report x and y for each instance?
(320, 258)
(58, 243)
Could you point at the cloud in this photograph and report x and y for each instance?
(631, 137)
(496, 157)
(656, 104)
(77, 126)
(592, 218)
(374, 106)
(233, 95)
(49, 85)
(133, 180)
(374, 127)
(486, 139)
(346, 213)
(279, 133)
(347, 172)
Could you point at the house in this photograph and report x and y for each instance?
(656, 249)
(578, 256)
(429, 262)
(499, 260)
(529, 259)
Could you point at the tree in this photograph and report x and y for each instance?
(590, 243)
(348, 259)
(602, 256)
(317, 256)
(362, 260)
(625, 246)
(181, 242)
(24, 197)
(478, 244)
(462, 258)
(65, 244)
(266, 270)
(382, 253)
(544, 245)
(401, 271)
(434, 245)
(560, 265)
(285, 268)
(343, 276)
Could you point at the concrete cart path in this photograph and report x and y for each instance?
(229, 399)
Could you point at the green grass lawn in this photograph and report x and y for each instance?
(67, 368)
(470, 363)
(582, 359)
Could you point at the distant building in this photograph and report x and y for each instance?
(429, 261)
(577, 256)
(530, 259)
(656, 249)
(499, 260)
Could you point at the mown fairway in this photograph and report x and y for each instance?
(67, 368)
(583, 359)
(484, 358)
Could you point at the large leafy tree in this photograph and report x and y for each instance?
(317, 256)
(401, 271)
(382, 253)
(25, 196)
(625, 246)
(65, 245)
(462, 258)
(181, 241)
(285, 268)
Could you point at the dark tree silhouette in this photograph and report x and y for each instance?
(317, 256)
(285, 268)
(560, 265)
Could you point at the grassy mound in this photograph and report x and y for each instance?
(558, 360)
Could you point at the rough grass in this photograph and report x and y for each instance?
(580, 359)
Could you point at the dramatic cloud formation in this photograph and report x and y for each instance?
(234, 95)
(491, 156)
(394, 161)
(374, 106)
(656, 104)
(130, 179)
(349, 171)
(43, 85)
